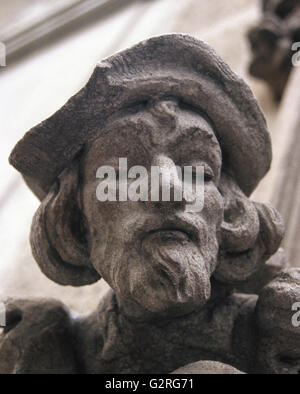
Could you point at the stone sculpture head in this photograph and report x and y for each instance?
(274, 42)
(167, 101)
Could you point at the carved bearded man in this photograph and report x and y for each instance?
(177, 277)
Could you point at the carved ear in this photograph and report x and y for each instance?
(271, 227)
(240, 226)
(250, 234)
(59, 235)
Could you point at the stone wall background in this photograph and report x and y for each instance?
(39, 82)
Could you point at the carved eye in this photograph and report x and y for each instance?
(208, 173)
(208, 176)
(197, 173)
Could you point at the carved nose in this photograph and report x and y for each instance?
(166, 186)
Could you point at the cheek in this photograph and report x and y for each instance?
(111, 223)
(213, 206)
(96, 217)
(112, 242)
(212, 215)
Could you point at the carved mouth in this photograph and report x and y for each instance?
(174, 229)
(170, 233)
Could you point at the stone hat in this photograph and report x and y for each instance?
(172, 65)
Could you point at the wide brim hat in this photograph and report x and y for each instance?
(172, 65)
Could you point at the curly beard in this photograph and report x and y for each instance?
(170, 274)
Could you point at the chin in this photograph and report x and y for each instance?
(173, 301)
(168, 279)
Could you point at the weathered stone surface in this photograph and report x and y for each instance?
(152, 71)
(167, 101)
(279, 348)
(271, 43)
(37, 338)
(266, 274)
(208, 367)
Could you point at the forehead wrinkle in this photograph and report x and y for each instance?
(149, 133)
(146, 132)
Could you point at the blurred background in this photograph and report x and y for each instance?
(51, 50)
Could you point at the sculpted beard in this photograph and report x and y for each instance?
(168, 273)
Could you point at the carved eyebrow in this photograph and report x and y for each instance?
(189, 139)
(196, 129)
(188, 133)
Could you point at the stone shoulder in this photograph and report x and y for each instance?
(37, 338)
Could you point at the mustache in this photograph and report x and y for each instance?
(191, 228)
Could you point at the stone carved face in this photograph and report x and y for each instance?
(155, 253)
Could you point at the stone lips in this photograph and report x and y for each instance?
(172, 65)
